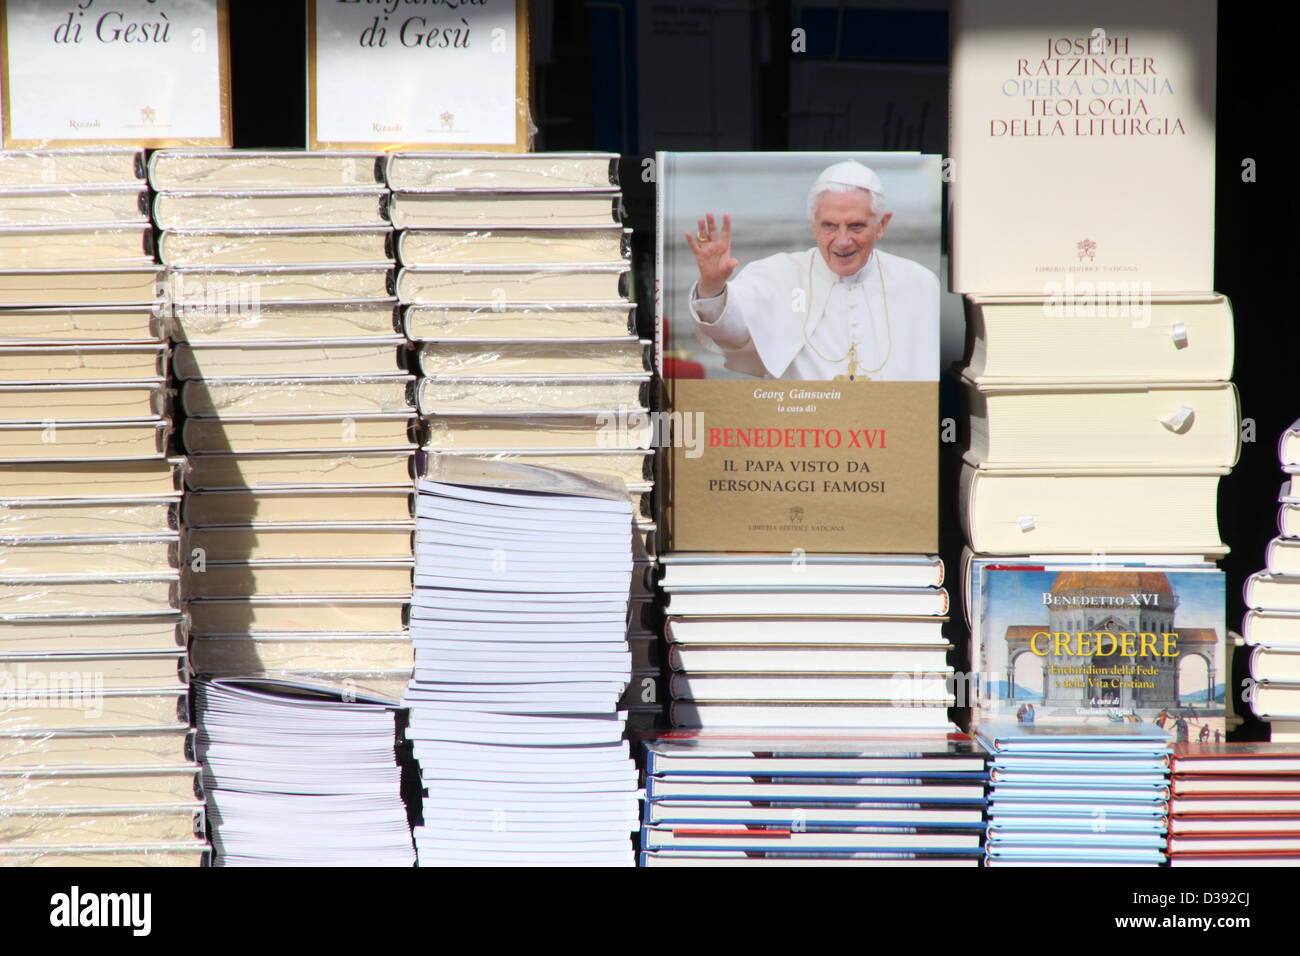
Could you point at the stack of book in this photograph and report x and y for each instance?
(1235, 805)
(95, 760)
(299, 776)
(1077, 796)
(519, 622)
(817, 640)
(823, 799)
(298, 414)
(1271, 627)
(1096, 371)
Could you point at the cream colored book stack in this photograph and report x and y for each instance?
(515, 285)
(1098, 361)
(298, 414)
(1271, 628)
(96, 763)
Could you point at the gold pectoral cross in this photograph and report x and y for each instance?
(853, 367)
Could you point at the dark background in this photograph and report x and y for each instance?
(635, 76)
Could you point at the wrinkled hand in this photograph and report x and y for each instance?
(712, 248)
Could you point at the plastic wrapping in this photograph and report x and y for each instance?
(119, 672)
(606, 358)
(71, 167)
(269, 615)
(319, 433)
(300, 506)
(100, 711)
(300, 578)
(38, 750)
(93, 787)
(362, 208)
(499, 285)
(635, 469)
(160, 632)
(534, 210)
(49, 206)
(47, 404)
(196, 170)
(237, 472)
(531, 395)
(87, 596)
(308, 541)
(568, 320)
(84, 325)
(628, 429)
(88, 517)
(149, 478)
(440, 172)
(247, 322)
(289, 359)
(264, 398)
(189, 853)
(103, 247)
(74, 556)
(79, 286)
(446, 247)
(183, 247)
(197, 287)
(78, 441)
(304, 653)
(82, 363)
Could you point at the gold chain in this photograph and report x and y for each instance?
(852, 353)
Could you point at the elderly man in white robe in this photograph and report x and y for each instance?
(841, 310)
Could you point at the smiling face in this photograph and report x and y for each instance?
(847, 228)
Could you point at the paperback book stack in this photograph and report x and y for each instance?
(298, 414)
(795, 641)
(95, 760)
(519, 624)
(1092, 795)
(300, 776)
(1235, 805)
(825, 799)
(1271, 628)
(514, 284)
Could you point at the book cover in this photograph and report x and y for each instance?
(797, 331)
(1103, 647)
(1070, 123)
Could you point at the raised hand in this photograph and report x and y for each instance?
(712, 248)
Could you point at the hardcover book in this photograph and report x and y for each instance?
(797, 331)
(1071, 122)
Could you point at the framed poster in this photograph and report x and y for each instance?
(442, 76)
(141, 73)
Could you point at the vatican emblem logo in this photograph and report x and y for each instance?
(148, 115)
(796, 514)
(1087, 249)
(448, 120)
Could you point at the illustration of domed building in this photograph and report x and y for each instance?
(1114, 602)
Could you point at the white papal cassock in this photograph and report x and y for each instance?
(789, 316)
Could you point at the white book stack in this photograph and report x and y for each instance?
(300, 776)
(807, 641)
(95, 760)
(519, 623)
(515, 283)
(1271, 628)
(299, 414)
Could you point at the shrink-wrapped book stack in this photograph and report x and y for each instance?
(807, 641)
(1235, 805)
(824, 798)
(96, 766)
(515, 285)
(1077, 796)
(298, 414)
(300, 776)
(1097, 365)
(519, 624)
(1271, 628)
